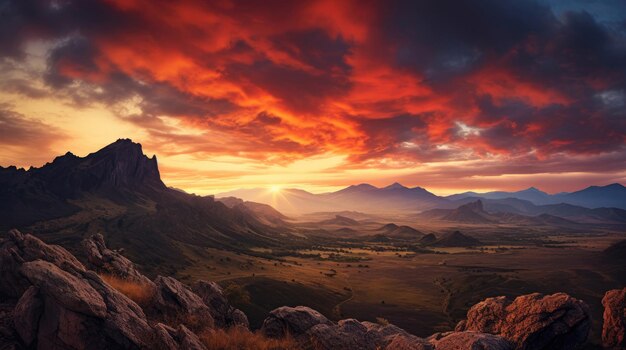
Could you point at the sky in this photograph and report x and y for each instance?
(450, 95)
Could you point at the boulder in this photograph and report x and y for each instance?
(312, 330)
(533, 321)
(26, 315)
(65, 306)
(352, 334)
(9, 338)
(68, 290)
(614, 327)
(19, 248)
(295, 321)
(469, 341)
(223, 313)
(175, 302)
(104, 260)
(188, 340)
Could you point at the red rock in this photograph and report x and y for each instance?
(614, 327)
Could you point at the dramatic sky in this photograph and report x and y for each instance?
(445, 94)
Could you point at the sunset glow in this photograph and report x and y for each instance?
(323, 94)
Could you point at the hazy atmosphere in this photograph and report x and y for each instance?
(313, 175)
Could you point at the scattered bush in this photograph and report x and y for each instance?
(237, 294)
(137, 292)
(238, 338)
(382, 321)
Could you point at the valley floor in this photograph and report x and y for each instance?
(420, 291)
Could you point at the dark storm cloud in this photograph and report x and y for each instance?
(449, 36)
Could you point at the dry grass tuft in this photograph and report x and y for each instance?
(137, 292)
(238, 338)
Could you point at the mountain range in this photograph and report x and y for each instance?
(118, 192)
(398, 198)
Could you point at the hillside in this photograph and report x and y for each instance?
(456, 239)
(117, 191)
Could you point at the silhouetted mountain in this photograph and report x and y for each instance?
(456, 239)
(428, 239)
(613, 195)
(530, 194)
(117, 191)
(566, 211)
(263, 212)
(470, 213)
(400, 232)
(340, 220)
(617, 251)
(120, 172)
(363, 197)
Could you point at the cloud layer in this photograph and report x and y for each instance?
(382, 83)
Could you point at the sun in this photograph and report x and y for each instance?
(275, 189)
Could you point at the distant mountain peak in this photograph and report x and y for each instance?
(360, 187)
(395, 185)
(615, 185)
(532, 189)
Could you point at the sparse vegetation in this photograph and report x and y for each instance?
(137, 292)
(237, 294)
(382, 321)
(237, 338)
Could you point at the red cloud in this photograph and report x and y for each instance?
(368, 79)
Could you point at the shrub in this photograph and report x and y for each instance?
(237, 294)
(137, 292)
(382, 321)
(239, 338)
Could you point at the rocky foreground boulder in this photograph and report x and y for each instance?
(51, 301)
(105, 260)
(224, 315)
(313, 330)
(532, 321)
(529, 322)
(614, 327)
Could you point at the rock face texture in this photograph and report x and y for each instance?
(312, 330)
(469, 341)
(532, 321)
(104, 260)
(174, 300)
(223, 313)
(62, 305)
(614, 328)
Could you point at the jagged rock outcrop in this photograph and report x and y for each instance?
(18, 249)
(293, 320)
(223, 313)
(532, 321)
(65, 306)
(104, 260)
(614, 327)
(352, 334)
(469, 341)
(174, 301)
(313, 330)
